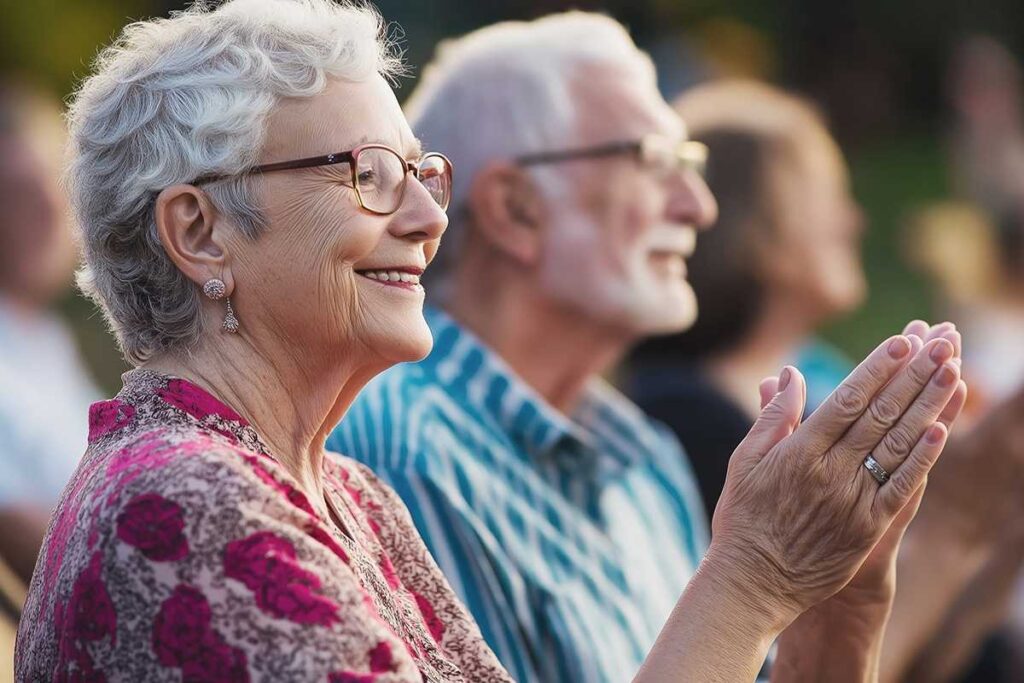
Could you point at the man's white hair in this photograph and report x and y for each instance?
(174, 99)
(510, 89)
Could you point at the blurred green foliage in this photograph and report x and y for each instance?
(877, 67)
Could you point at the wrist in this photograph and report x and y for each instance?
(745, 586)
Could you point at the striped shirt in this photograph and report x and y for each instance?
(569, 538)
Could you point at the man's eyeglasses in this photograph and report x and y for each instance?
(655, 152)
(379, 175)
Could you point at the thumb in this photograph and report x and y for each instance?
(779, 417)
(768, 388)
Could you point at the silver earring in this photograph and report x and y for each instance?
(216, 289)
(230, 321)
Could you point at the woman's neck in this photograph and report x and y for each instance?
(291, 401)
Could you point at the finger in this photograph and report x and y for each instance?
(777, 420)
(955, 405)
(768, 388)
(889, 404)
(898, 442)
(850, 399)
(937, 330)
(954, 338)
(908, 478)
(916, 327)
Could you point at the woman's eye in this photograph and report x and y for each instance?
(367, 176)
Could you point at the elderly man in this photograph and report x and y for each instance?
(567, 521)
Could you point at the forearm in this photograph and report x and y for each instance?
(21, 534)
(932, 573)
(830, 643)
(717, 633)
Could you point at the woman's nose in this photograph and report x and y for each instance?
(419, 217)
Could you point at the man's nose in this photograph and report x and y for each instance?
(691, 201)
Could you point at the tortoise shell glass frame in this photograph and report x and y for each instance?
(433, 170)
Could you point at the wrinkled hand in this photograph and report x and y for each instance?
(799, 514)
(875, 582)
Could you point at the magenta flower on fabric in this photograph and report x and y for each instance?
(216, 662)
(388, 570)
(146, 454)
(183, 638)
(267, 565)
(180, 625)
(90, 611)
(380, 657)
(294, 496)
(430, 617)
(108, 416)
(155, 526)
(350, 677)
(196, 402)
(322, 536)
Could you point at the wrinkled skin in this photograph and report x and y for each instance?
(800, 515)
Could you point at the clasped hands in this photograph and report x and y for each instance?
(801, 522)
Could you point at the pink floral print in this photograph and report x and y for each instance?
(154, 525)
(184, 639)
(266, 564)
(182, 550)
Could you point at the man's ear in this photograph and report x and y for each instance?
(508, 210)
(193, 238)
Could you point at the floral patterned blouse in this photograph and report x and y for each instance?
(182, 550)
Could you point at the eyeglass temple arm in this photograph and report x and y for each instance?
(569, 154)
(308, 162)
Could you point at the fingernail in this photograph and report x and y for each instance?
(946, 375)
(899, 347)
(935, 434)
(784, 378)
(941, 352)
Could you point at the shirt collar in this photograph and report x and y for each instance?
(466, 367)
(149, 390)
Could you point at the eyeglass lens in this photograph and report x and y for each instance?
(381, 176)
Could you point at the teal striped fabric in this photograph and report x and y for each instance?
(569, 539)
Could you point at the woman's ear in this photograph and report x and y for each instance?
(508, 210)
(193, 238)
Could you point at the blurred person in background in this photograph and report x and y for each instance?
(983, 289)
(782, 259)
(255, 214)
(972, 248)
(565, 518)
(45, 390)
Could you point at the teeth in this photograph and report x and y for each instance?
(392, 276)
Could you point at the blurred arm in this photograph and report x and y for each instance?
(978, 611)
(22, 528)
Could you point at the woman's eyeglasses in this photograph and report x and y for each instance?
(379, 175)
(652, 151)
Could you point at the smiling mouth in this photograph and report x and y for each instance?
(670, 264)
(401, 277)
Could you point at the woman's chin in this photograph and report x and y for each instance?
(407, 348)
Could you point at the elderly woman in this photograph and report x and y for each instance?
(255, 215)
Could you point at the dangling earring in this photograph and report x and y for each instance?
(215, 289)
